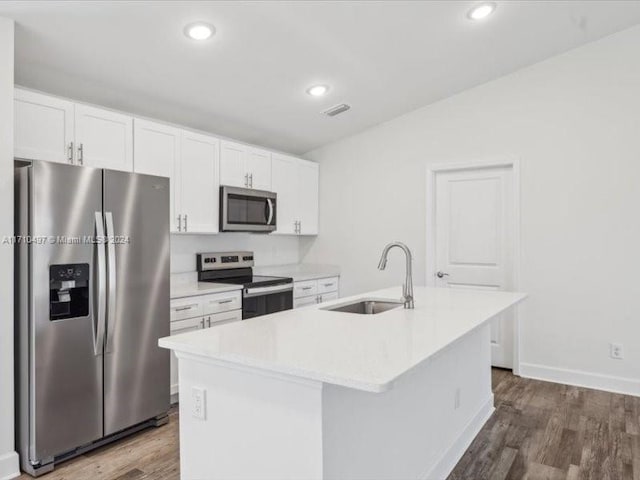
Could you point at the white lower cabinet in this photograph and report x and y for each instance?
(199, 312)
(312, 292)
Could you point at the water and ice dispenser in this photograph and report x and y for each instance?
(68, 291)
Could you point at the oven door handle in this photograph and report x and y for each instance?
(257, 291)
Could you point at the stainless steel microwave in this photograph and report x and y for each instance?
(247, 210)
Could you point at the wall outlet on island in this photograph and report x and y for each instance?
(199, 403)
(616, 351)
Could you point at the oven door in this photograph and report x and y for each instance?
(247, 210)
(258, 301)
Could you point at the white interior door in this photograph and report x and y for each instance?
(104, 139)
(474, 212)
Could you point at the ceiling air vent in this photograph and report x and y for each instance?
(337, 110)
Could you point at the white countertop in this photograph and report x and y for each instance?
(299, 271)
(200, 288)
(364, 352)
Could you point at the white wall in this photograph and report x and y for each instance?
(8, 458)
(269, 249)
(574, 122)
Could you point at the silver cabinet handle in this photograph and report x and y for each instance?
(209, 322)
(299, 226)
(441, 274)
(81, 154)
(307, 288)
(202, 323)
(112, 276)
(70, 153)
(246, 179)
(180, 222)
(182, 309)
(186, 229)
(329, 284)
(225, 301)
(251, 180)
(98, 344)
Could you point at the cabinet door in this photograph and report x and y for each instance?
(182, 326)
(304, 301)
(104, 139)
(232, 164)
(284, 181)
(156, 151)
(327, 297)
(199, 183)
(43, 127)
(258, 165)
(308, 173)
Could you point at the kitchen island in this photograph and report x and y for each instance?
(318, 394)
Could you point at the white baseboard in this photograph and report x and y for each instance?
(9, 467)
(453, 455)
(578, 378)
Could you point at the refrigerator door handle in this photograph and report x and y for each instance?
(111, 277)
(101, 267)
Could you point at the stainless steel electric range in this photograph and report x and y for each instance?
(261, 295)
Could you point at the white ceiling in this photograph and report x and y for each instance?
(249, 81)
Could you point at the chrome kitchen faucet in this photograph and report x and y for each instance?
(407, 288)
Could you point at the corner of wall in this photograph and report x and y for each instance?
(8, 457)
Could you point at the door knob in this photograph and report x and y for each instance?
(441, 274)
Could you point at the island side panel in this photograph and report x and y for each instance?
(258, 425)
(416, 430)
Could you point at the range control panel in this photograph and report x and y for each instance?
(218, 261)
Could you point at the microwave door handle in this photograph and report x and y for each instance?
(101, 276)
(111, 275)
(270, 204)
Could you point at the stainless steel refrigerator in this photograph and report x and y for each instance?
(92, 300)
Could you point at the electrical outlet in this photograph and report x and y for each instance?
(199, 404)
(616, 350)
(456, 400)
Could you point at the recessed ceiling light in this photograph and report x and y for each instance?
(481, 11)
(317, 90)
(199, 30)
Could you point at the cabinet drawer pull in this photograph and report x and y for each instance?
(307, 288)
(225, 301)
(182, 309)
(329, 284)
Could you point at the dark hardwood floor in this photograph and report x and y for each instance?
(539, 431)
(544, 430)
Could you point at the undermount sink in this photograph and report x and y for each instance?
(366, 307)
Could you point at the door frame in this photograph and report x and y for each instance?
(432, 172)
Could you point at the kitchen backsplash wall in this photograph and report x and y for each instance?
(269, 249)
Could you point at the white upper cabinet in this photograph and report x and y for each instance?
(232, 164)
(43, 127)
(104, 139)
(199, 185)
(284, 172)
(308, 178)
(157, 152)
(56, 130)
(296, 183)
(244, 166)
(259, 168)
